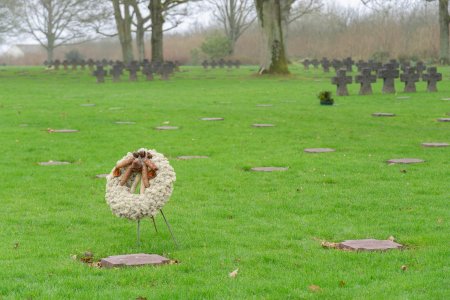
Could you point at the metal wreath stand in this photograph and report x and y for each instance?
(155, 175)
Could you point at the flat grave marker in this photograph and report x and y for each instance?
(369, 245)
(405, 161)
(264, 105)
(133, 260)
(443, 120)
(125, 122)
(382, 114)
(269, 169)
(87, 104)
(319, 150)
(212, 119)
(189, 157)
(429, 144)
(166, 128)
(62, 130)
(263, 125)
(53, 163)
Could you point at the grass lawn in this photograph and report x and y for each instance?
(269, 225)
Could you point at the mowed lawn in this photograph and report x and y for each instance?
(268, 225)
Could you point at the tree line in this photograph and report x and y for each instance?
(54, 23)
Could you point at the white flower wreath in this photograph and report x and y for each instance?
(133, 206)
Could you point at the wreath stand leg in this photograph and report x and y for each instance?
(170, 230)
(154, 224)
(139, 232)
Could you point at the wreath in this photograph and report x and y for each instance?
(155, 175)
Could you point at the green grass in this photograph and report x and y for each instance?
(269, 225)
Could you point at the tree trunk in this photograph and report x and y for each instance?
(156, 12)
(272, 15)
(444, 32)
(140, 44)
(124, 30)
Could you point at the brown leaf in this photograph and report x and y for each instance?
(314, 288)
(342, 283)
(330, 245)
(404, 267)
(234, 273)
(391, 238)
(174, 262)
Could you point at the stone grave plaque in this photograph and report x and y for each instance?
(319, 150)
(53, 163)
(445, 99)
(443, 120)
(87, 104)
(435, 144)
(166, 128)
(125, 122)
(133, 260)
(115, 108)
(263, 125)
(403, 97)
(23, 125)
(381, 114)
(405, 161)
(269, 169)
(188, 157)
(101, 175)
(264, 105)
(212, 119)
(62, 130)
(369, 245)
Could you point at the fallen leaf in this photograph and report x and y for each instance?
(342, 283)
(314, 288)
(403, 171)
(404, 267)
(95, 264)
(174, 262)
(16, 245)
(234, 273)
(391, 238)
(330, 245)
(73, 256)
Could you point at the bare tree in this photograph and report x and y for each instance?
(7, 20)
(53, 23)
(142, 24)
(235, 16)
(123, 17)
(274, 17)
(444, 21)
(162, 11)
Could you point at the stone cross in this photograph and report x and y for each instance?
(420, 67)
(116, 72)
(365, 79)
(341, 81)
(432, 77)
(90, 63)
(83, 64)
(388, 73)
(315, 62)
(348, 63)
(65, 64)
(362, 65)
(306, 63)
(166, 70)
(213, 64)
(337, 64)
(205, 64)
(133, 68)
(100, 73)
(221, 63)
(57, 64)
(325, 64)
(405, 65)
(375, 66)
(410, 77)
(229, 64)
(395, 63)
(237, 63)
(74, 64)
(147, 70)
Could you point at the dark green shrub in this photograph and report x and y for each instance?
(325, 98)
